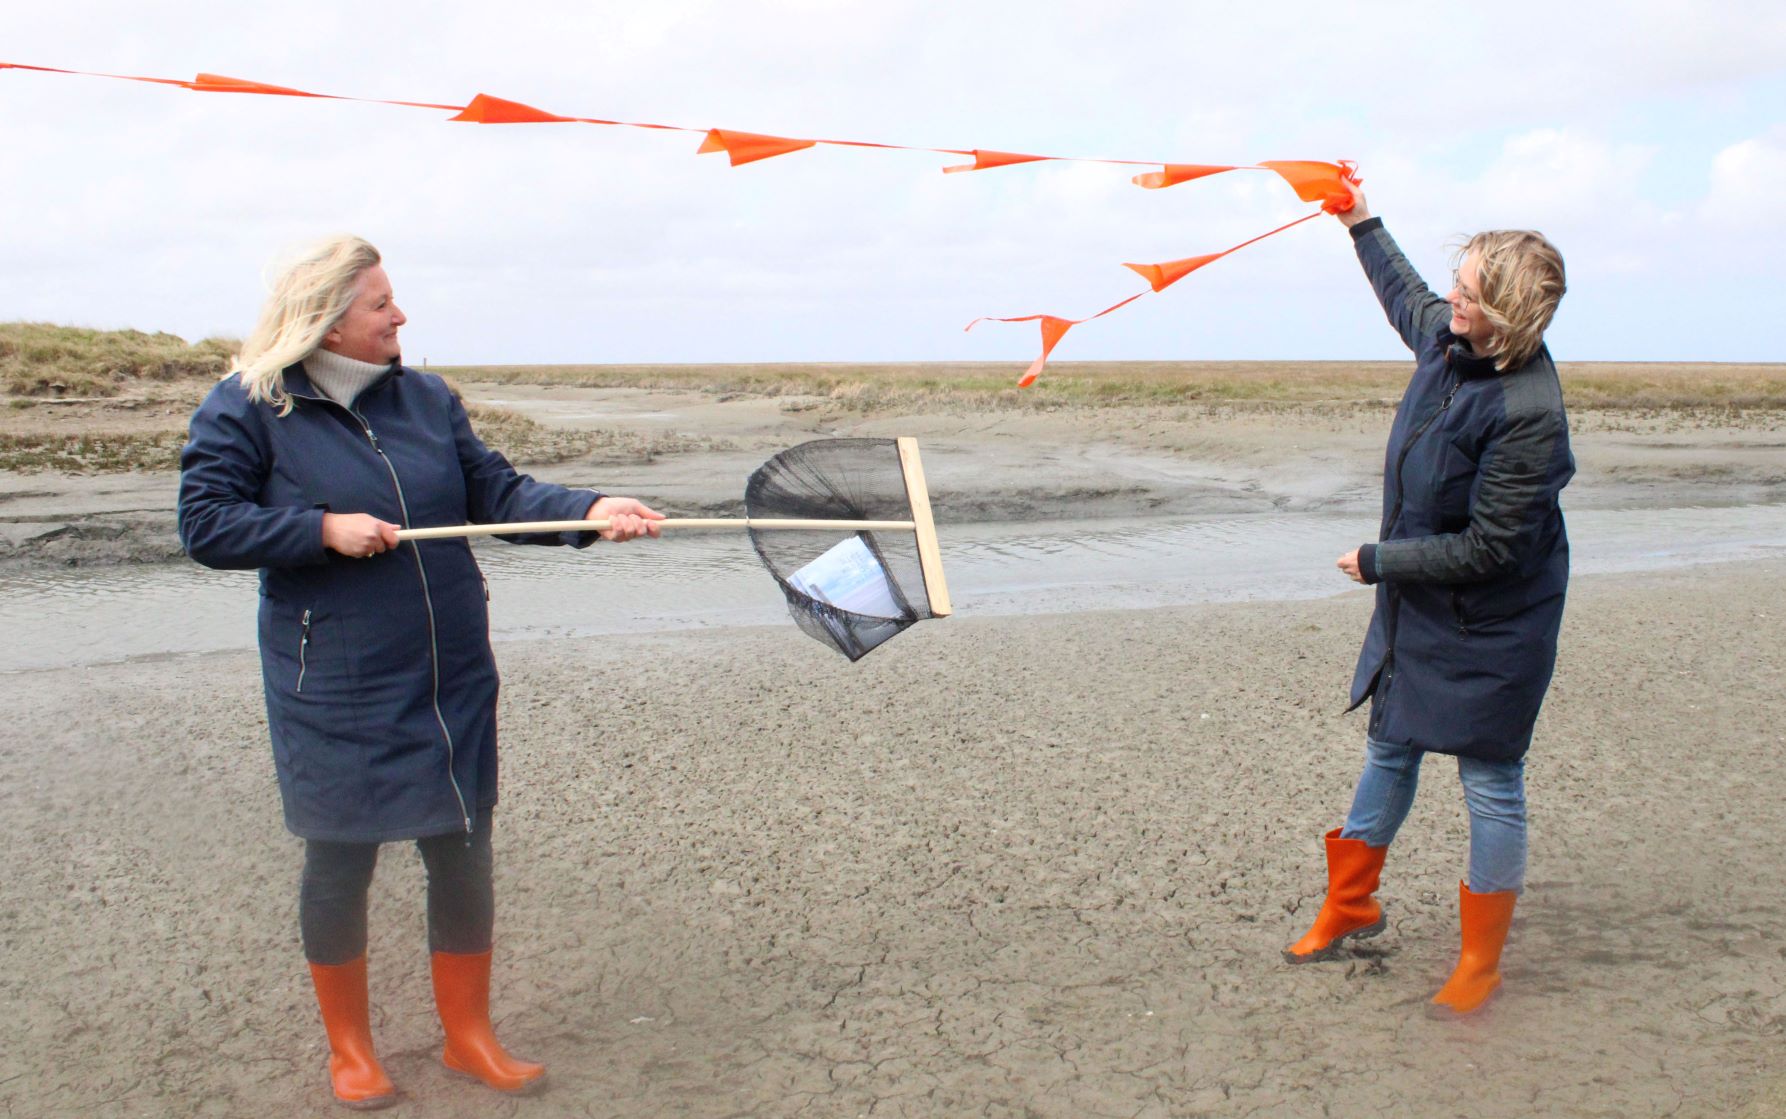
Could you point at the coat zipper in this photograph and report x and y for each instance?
(428, 601)
(303, 646)
(1379, 702)
(1401, 459)
(1392, 625)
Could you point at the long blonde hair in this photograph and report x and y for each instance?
(306, 300)
(1520, 275)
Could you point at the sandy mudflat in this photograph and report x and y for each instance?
(690, 453)
(1003, 866)
(1014, 866)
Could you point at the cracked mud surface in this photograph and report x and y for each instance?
(1031, 866)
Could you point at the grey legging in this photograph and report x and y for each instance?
(461, 898)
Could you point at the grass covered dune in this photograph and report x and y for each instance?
(87, 401)
(41, 360)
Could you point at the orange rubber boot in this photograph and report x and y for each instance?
(1485, 919)
(1353, 868)
(359, 1080)
(462, 994)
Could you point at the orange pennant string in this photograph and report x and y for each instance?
(485, 109)
(748, 147)
(985, 159)
(217, 83)
(1158, 277)
(1163, 276)
(1175, 173)
(1314, 181)
(1318, 182)
(1054, 328)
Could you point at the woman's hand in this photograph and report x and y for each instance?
(1359, 211)
(628, 518)
(357, 534)
(1348, 563)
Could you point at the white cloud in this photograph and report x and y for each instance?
(1746, 182)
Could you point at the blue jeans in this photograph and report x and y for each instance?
(1494, 792)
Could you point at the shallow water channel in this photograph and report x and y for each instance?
(701, 579)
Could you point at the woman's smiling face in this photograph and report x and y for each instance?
(368, 331)
(1468, 320)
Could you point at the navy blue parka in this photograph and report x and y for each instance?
(380, 683)
(1472, 560)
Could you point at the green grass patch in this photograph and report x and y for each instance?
(40, 359)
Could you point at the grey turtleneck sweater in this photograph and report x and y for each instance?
(341, 379)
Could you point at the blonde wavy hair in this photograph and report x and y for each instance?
(306, 299)
(1520, 277)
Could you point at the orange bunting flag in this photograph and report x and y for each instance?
(1163, 276)
(985, 159)
(217, 83)
(1318, 182)
(748, 147)
(1175, 173)
(1054, 328)
(485, 109)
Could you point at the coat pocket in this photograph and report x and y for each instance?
(304, 654)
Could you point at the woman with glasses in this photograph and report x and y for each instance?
(1470, 568)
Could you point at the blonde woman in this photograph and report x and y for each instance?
(379, 679)
(1470, 566)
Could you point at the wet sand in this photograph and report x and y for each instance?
(1013, 866)
(1003, 866)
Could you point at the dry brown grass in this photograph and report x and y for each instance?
(881, 387)
(98, 401)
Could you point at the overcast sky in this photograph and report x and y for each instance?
(1647, 139)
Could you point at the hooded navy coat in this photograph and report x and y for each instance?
(380, 683)
(1472, 561)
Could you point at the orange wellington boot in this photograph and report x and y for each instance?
(1485, 919)
(462, 994)
(1353, 867)
(358, 1079)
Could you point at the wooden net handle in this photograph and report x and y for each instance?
(447, 531)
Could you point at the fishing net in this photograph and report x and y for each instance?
(851, 588)
(843, 525)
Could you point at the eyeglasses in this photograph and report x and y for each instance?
(1465, 295)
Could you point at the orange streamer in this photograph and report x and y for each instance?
(217, 83)
(1054, 328)
(748, 147)
(485, 109)
(985, 159)
(1162, 276)
(1158, 276)
(1318, 182)
(1175, 173)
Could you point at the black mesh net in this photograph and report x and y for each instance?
(850, 589)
